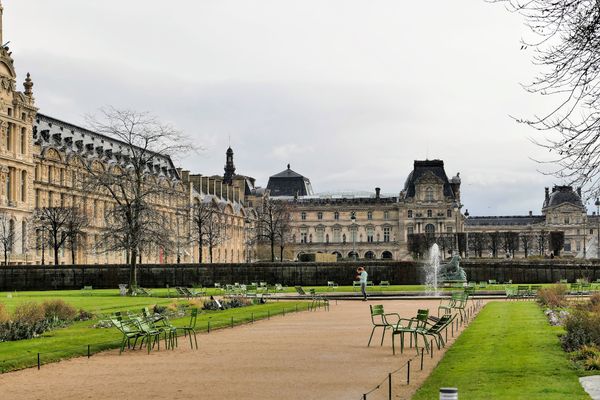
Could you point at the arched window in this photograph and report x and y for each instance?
(429, 228)
(386, 255)
(429, 194)
(369, 255)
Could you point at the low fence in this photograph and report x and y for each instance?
(27, 277)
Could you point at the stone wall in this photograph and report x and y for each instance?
(306, 274)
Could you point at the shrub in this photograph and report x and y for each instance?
(18, 330)
(592, 363)
(553, 296)
(582, 328)
(585, 352)
(4, 317)
(83, 315)
(59, 310)
(28, 313)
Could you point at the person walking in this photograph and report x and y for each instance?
(362, 277)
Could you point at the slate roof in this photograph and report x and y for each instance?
(561, 195)
(73, 139)
(505, 220)
(421, 168)
(289, 183)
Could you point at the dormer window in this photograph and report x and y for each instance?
(429, 195)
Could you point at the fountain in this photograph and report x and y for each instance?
(431, 271)
(436, 273)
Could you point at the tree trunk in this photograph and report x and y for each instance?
(272, 250)
(73, 252)
(210, 253)
(5, 256)
(281, 253)
(132, 270)
(200, 252)
(56, 248)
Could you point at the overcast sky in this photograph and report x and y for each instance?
(348, 92)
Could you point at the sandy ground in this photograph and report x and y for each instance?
(309, 355)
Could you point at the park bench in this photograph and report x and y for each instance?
(332, 285)
(87, 290)
(355, 284)
(385, 284)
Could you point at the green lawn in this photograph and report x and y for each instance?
(74, 340)
(509, 352)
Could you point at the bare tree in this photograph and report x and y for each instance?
(494, 241)
(542, 242)
(202, 213)
(7, 235)
(272, 217)
(76, 222)
(214, 231)
(138, 183)
(478, 241)
(565, 39)
(54, 221)
(284, 230)
(527, 242)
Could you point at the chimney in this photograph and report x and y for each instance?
(579, 191)
(185, 175)
(530, 213)
(547, 193)
(377, 193)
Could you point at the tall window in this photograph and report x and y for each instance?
(9, 184)
(9, 133)
(336, 235)
(303, 236)
(49, 174)
(336, 216)
(370, 215)
(410, 230)
(449, 213)
(410, 214)
(429, 213)
(320, 235)
(319, 215)
(386, 215)
(429, 228)
(303, 216)
(50, 199)
(327, 238)
(23, 140)
(429, 194)
(23, 185)
(353, 233)
(370, 235)
(449, 229)
(386, 234)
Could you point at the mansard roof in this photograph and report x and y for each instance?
(561, 195)
(505, 220)
(73, 139)
(289, 183)
(422, 168)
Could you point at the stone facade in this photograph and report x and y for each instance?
(375, 226)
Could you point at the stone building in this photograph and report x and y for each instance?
(41, 163)
(371, 226)
(562, 211)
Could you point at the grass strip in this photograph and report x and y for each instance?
(73, 341)
(509, 352)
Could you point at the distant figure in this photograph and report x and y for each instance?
(362, 277)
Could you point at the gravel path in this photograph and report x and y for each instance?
(309, 355)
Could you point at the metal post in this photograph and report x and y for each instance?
(208, 329)
(408, 372)
(431, 348)
(389, 386)
(422, 355)
(232, 322)
(39, 365)
(452, 326)
(365, 396)
(88, 351)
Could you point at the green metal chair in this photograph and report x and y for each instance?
(380, 320)
(151, 334)
(129, 330)
(435, 330)
(411, 327)
(191, 328)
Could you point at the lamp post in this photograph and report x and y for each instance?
(456, 208)
(598, 228)
(466, 234)
(353, 219)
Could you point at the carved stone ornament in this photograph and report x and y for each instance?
(7, 83)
